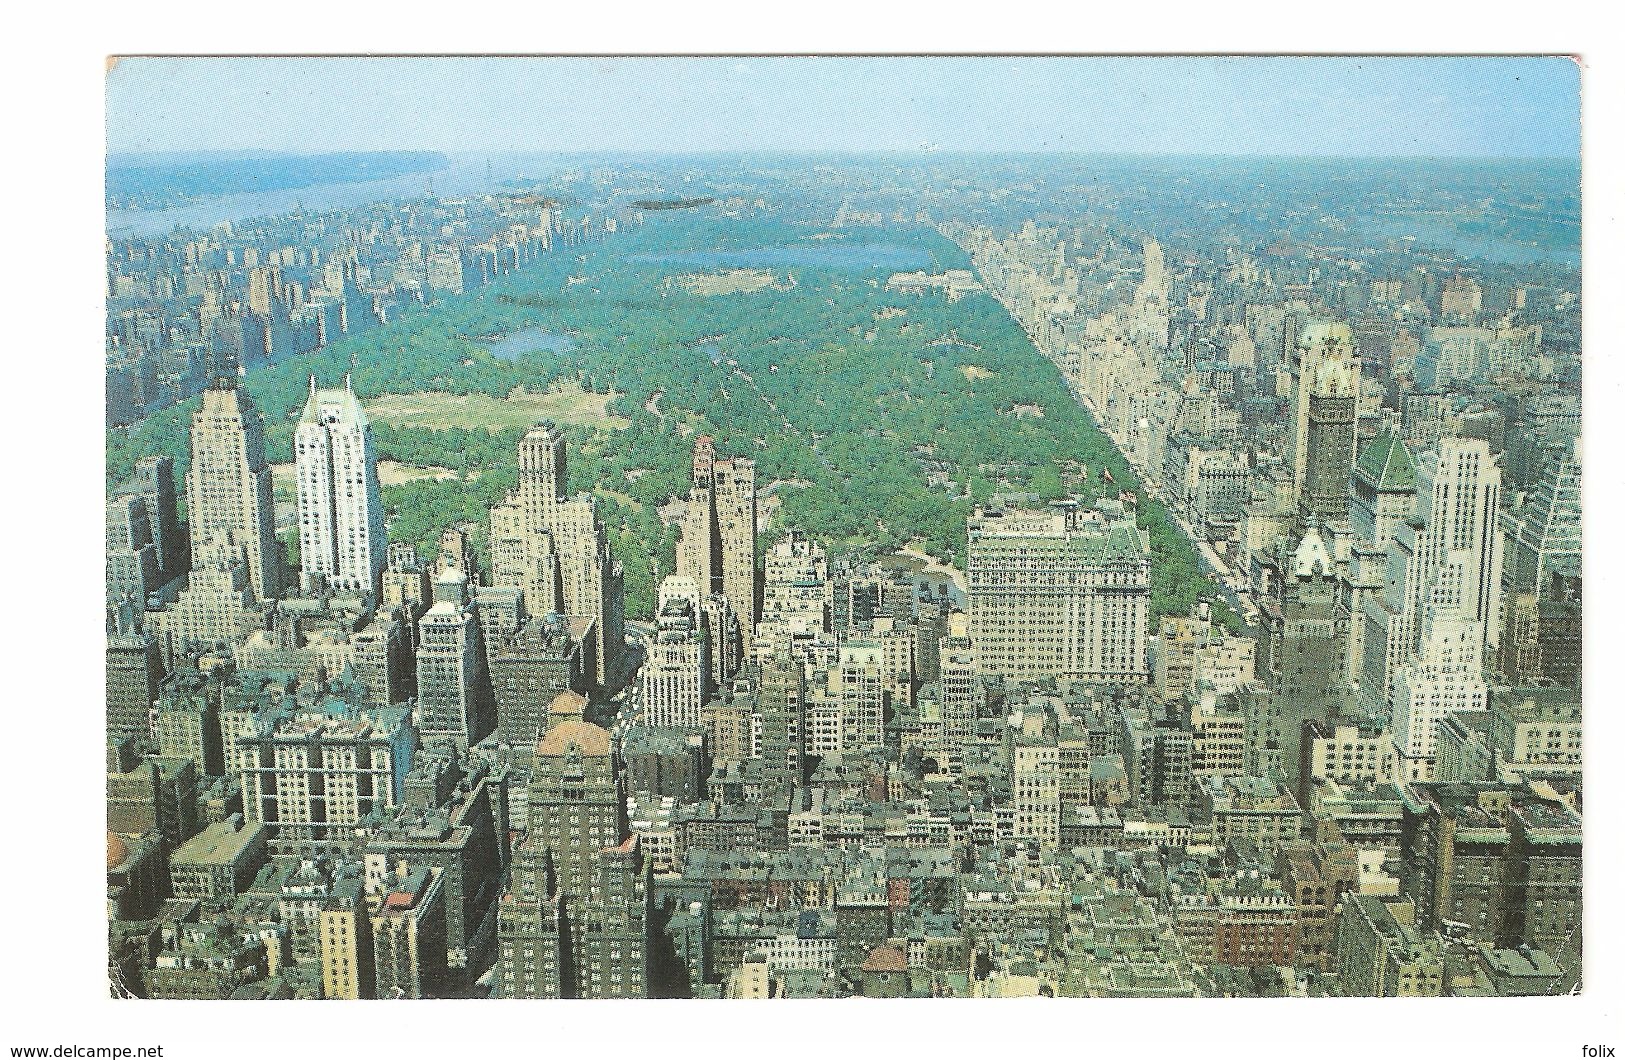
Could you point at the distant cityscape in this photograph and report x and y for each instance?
(871, 576)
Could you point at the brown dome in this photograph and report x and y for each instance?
(117, 851)
(592, 739)
(567, 703)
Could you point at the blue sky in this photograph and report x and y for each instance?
(1456, 106)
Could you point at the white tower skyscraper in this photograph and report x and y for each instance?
(341, 520)
(1448, 556)
(1461, 553)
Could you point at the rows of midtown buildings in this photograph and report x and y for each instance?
(183, 307)
(406, 776)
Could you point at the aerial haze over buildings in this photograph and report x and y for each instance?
(955, 544)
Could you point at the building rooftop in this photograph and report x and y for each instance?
(885, 958)
(589, 738)
(1386, 463)
(220, 843)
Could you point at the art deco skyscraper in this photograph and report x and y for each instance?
(554, 547)
(676, 673)
(1462, 541)
(1448, 556)
(1543, 532)
(341, 520)
(1445, 676)
(228, 489)
(718, 547)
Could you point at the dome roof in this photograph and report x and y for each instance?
(573, 704)
(117, 851)
(593, 740)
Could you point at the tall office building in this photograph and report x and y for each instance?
(451, 671)
(718, 545)
(1382, 496)
(218, 605)
(528, 671)
(861, 677)
(153, 480)
(782, 707)
(341, 520)
(1303, 650)
(1063, 593)
(959, 682)
(796, 596)
(405, 581)
(524, 560)
(1446, 676)
(574, 922)
(1327, 420)
(676, 673)
(1462, 542)
(554, 547)
(724, 653)
(1543, 532)
(135, 669)
(228, 488)
(132, 557)
(1382, 489)
(1448, 554)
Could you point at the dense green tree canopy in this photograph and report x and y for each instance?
(850, 393)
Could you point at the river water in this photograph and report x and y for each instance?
(465, 176)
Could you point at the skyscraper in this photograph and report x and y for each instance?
(1446, 676)
(676, 674)
(1327, 419)
(718, 546)
(1304, 647)
(451, 667)
(228, 488)
(1462, 553)
(961, 691)
(134, 670)
(1543, 532)
(575, 802)
(132, 557)
(153, 480)
(1382, 490)
(782, 706)
(863, 695)
(341, 519)
(796, 596)
(218, 605)
(1447, 555)
(555, 548)
(585, 935)
(528, 671)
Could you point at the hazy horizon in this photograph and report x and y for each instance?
(1444, 108)
(229, 153)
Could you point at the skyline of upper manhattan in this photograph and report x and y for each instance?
(1447, 107)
